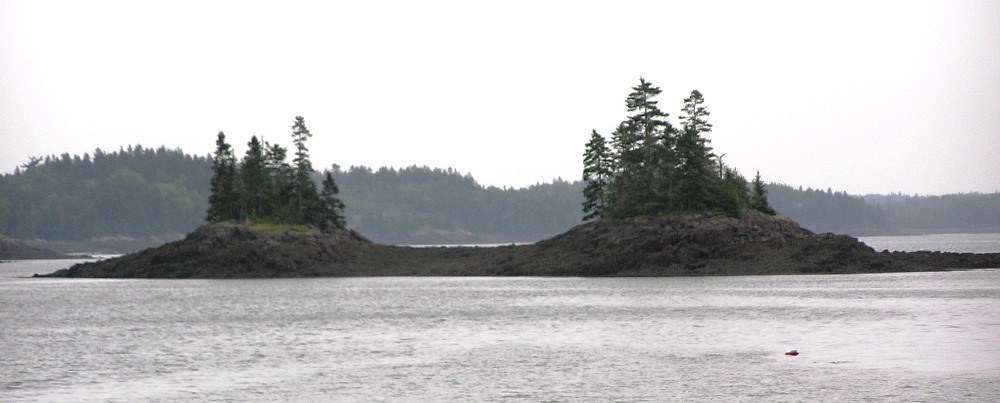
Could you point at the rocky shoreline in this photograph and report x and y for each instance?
(13, 249)
(692, 245)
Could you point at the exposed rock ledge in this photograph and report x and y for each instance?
(13, 249)
(663, 246)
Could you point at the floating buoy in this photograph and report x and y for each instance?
(792, 352)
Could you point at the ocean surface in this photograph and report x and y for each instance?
(972, 243)
(931, 337)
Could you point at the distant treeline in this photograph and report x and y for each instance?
(421, 205)
(967, 212)
(829, 211)
(143, 192)
(839, 212)
(133, 192)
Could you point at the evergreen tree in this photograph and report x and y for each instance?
(651, 170)
(306, 198)
(696, 181)
(596, 175)
(758, 196)
(278, 201)
(734, 195)
(223, 202)
(642, 158)
(333, 207)
(625, 187)
(256, 182)
(264, 187)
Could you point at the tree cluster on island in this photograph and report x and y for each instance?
(649, 167)
(264, 188)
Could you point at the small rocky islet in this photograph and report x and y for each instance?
(682, 245)
(14, 249)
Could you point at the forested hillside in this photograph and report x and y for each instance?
(425, 205)
(829, 211)
(141, 192)
(133, 192)
(967, 212)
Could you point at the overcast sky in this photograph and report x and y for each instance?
(867, 97)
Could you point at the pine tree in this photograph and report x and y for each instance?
(278, 200)
(333, 207)
(653, 168)
(758, 196)
(642, 157)
(256, 183)
(626, 161)
(223, 202)
(306, 198)
(696, 181)
(650, 174)
(597, 175)
(734, 196)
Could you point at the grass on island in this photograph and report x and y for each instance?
(276, 228)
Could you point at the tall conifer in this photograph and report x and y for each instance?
(697, 184)
(253, 173)
(596, 175)
(643, 152)
(306, 198)
(223, 202)
(278, 200)
(758, 196)
(333, 207)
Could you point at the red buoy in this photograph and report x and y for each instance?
(792, 352)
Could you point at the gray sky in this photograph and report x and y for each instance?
(867, 97)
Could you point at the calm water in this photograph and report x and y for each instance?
(974, 243)
(892, 337)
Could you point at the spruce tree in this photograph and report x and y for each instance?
(333, 207)
(223, 202)
(306, 198)
(256, 183)
(278, 201)
(642, 157)
(653, 168)
(596, 175)
(651, 171)
(625, 187)
(758, 196)
(696, 181)
(734, 196)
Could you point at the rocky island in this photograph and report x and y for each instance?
(13, 249)
(657, 202)
(686, 245)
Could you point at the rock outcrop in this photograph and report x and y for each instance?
(690, 245)
(13, 249)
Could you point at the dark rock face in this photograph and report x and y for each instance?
(12, 249)
(661, 246)
(700, 245)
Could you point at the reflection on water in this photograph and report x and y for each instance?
(912, 336)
